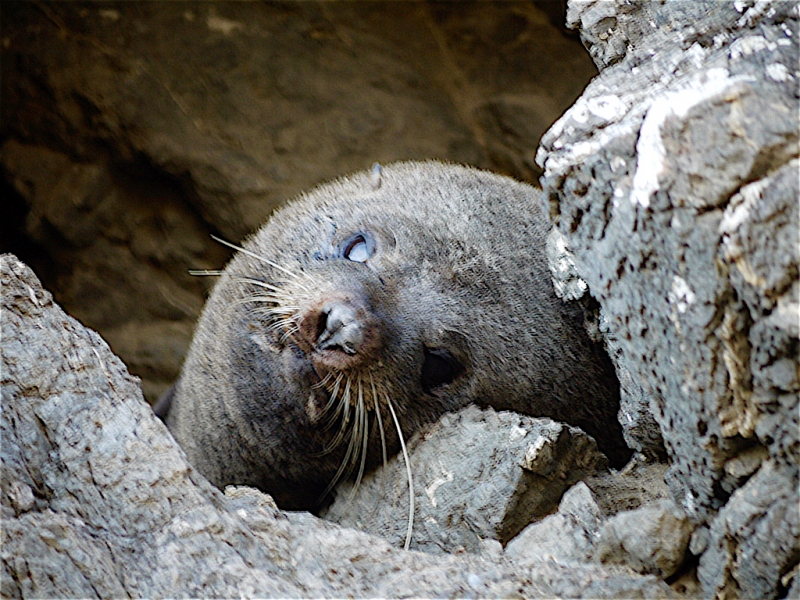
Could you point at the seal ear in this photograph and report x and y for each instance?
(439, 368)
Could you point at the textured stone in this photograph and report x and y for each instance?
(478, 475)
(674, 180)
(566, 537)
(755, 540)
(651, 539)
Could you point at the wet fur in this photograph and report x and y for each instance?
(460, 263)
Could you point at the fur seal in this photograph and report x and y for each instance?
(370, 306)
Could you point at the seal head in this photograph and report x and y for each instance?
(373, 305)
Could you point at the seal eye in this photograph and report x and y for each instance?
(439, 368)
(359, 248)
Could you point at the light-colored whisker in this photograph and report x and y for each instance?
(340, 471)
(331, 401)
(408, 474)
(343, 408)
(380, 420)
(379, 425)
(289, 333)
(205, 272)
(364, 433)
(264, 260)
(280, 302)
(323, 381)
(267, 286)
(280, 324)
(281, 309)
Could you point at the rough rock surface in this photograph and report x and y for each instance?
(478, 475)
(596, 523)
(98, 501)
(674, 180)
(639, 427)
(651, 539)
(129, 131)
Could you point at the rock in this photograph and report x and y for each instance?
(755, 540)
(651, 539)
(638, 484)
(639, 427)
(674, 180)
(566, 537)
(97, 500)
(636, 405)
(478, 475)
(599, 520)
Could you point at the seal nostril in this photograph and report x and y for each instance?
(340, 329)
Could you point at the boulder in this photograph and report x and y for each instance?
(674, 181)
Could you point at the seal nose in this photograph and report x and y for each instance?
(340, 329)
(339, 332)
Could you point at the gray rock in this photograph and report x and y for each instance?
(97, 500)
(567, 281)
(566, 537)
(651, 539)
(478, 475)
(754, 543)
(674, 180)
(636, 405)
(639, 426)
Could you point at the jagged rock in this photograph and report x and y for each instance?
(639, 427)
(566, 537)
(754, 543)
(636, 405)
(98, 501)
(638, 484)
(674, 180)
(651, 539)
(478, 475)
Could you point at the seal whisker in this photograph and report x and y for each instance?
(267, 286)
(278, 310)
(342, 408)
(281, 323)
(378, 417)
(279, 302)
(364, 433)
(289, 333)
(323, 382)
(379, 425)
(408, 473)
(339, 472)
(353, 447)
(272, 264)
(332, 399)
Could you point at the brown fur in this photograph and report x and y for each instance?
(459, 267)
